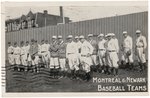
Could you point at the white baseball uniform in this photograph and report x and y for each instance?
(17, 53)
(10, 51)
(102, 52)
(86, 52)
(127, 46)
(94, 54)
(112, 49)
(44, 53)
(72, 56)
(78, 44)
(141, 45)
(48, 46)
(23, 56)
(27, 51)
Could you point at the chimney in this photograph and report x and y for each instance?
(61, 11)
(45, 12)
(61, 14)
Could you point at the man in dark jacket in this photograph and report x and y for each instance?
(54, 63)
(62, 55)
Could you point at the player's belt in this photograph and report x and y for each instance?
(84, 56)
(70, 53)
(102, 49)
(111, 50)
(43, 51)
(139, 46)
(22, 54)
(16, 54)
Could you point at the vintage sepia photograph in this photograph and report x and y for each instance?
(73, 47)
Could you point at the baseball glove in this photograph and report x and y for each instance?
(32, 57)
(129, 53)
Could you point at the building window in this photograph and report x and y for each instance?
(33, 23)
(29, 24)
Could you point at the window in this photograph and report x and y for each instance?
(29, 24)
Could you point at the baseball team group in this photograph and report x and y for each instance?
(78, 54)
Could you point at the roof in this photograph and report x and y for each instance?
(31, 15)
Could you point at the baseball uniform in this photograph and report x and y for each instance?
(86, 52)
(10, 52)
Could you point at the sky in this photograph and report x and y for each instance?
(76, 12)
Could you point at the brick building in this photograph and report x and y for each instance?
(32, 20)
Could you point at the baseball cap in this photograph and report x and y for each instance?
(59, 36)
(70, 36)
(112, 34)
(106, 35)
(76, 37)
(101, 35)
(138, 31)
(125, 32)
(109, 34)
(81, 36)
(90, 35)
(54, 37)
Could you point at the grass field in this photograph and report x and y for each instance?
(43, 82)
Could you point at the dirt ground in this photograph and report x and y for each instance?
(43, 82)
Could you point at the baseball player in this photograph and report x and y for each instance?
(33, 56)
(10, 52)
(62, 56)
(140, 49)
(27, 47)
(54, 62)
(86, 53)
(95, 46)
(23, 54)
(116, 42)
(72, 57)
(127, 56)
(113, 59)
(17, 53)
(107, 62)
(78, 44)
(102, 52)
(48, 47)
(44, 53)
